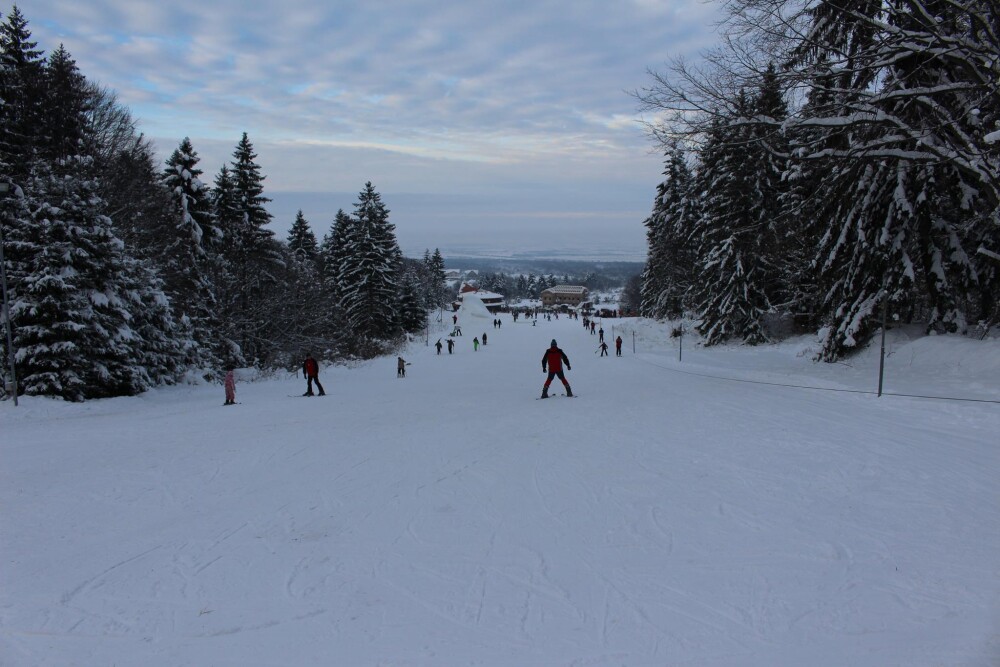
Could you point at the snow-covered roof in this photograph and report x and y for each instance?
(482, 294)
(567, 289)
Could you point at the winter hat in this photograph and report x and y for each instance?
(554, 343)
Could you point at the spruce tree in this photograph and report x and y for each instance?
(188, 241)
(437, 278)
(301, 240)
(71, 308)
(669, 266)
(412, 305)
(369, 274)
(22, 86)
(65, 105)
(335, 252)
(731, 300)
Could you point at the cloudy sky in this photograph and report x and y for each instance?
(502, 124)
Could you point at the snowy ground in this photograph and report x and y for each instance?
(450, 518)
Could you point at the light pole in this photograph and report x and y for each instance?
(4, 189)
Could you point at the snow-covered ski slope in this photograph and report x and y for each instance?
(449, 518)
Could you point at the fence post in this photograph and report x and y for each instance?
(633, 342)
(881, 359)
(680, 346)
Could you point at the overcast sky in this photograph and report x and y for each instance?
(483, 123)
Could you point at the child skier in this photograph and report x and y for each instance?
(230, 387)
(400, 367)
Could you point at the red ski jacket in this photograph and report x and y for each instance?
(554, 359)
(311, 368)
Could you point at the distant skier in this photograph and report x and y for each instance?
(603, 348)
(451, 345)
(401, 365)
(438, 346)
(230, 387)
(311, 370)
(601, 333)
(552, 362)
(454, 319)
(618, 346)
(484, 338)
(475, 345)
(593, 325)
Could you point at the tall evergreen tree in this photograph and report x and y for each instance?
(188, 242)
(369, 274)
(669, 266)
(22, 85)
(335, 252)
(65, 105)
(437, 294)
(248, 186)
(731, 300)
(72, 306)
(301, 240)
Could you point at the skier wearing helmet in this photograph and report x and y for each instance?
(552, 362)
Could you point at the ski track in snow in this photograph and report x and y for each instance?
(449, 518)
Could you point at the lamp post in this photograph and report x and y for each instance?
(4, 189)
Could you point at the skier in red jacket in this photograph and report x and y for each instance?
(552, 362)
(311, 370)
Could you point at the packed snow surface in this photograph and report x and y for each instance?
(451, 518)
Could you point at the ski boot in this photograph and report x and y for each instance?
(545, 392)
(569, 392)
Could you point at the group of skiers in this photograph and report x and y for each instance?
(552, 363)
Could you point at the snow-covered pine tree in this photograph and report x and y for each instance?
(65, 103)
(369, 274)
(768, 163)
(189, 240)
(259, 261)
(731, 298)
(655, 269)
(437, 280)
(335, 251)
(908, 107)
(22, 85)
(301, 240)
(412, 297)
(667, 275)
(71, 307)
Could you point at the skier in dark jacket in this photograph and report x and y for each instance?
(552, 362)
(438, 345)
(618, 346)
(311, 370)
